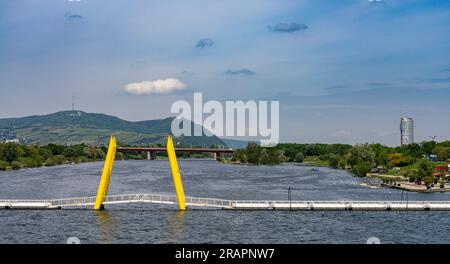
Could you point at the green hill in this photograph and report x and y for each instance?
(73, 127)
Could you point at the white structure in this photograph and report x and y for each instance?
(16, 140)
(406, 131)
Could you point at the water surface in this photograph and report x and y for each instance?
(149, 223)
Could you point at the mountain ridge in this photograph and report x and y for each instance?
(75, 126)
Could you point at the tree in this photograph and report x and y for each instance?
(10, 152)
(381, 154)
(253, 152)
(442, 153)
(333, 161)
(412, 150)
(429, 180)
(299, 157)
(424, 168)
(256, 154)
(342, 163)
(361, 169)
(69, 152)
(361, 153)
(396, 160)
(428, 146)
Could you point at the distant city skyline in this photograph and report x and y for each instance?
(343, 71)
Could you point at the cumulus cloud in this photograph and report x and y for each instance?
(240, 72)
(286, 27)
(155, 87)
(205, 43)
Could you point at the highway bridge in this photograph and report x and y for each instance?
(151, 150)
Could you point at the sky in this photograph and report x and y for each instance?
(344, 71)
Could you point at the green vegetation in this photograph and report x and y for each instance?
(77, 127)
(255, 154)
(15, 156)
(316, 161)
(409, 161)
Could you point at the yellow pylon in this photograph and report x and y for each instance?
(176, 174)
(106, 174)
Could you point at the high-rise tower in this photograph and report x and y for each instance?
(406, 131)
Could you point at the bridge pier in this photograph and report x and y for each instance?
(215, 155)
(149, 155)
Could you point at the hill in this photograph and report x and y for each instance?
(234, 143)
(73, 127)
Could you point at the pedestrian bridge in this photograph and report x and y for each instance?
(196, 202)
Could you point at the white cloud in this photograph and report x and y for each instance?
(155, 87)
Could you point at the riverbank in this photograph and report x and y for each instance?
(16, 168)
(402, 183)
(413, 187)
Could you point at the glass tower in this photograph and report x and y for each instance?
(406, 131)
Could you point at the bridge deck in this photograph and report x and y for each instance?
(161, 149)
(230, 204)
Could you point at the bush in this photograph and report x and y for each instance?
(3, 165)
(29, 162)
(411, 174)
(299, 157)
(429, 180)
(323, 157)
(16, 165)
(53, 161)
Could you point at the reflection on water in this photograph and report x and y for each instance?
(176, 225)
(107, 224)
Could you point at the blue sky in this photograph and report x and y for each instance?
(344, 71)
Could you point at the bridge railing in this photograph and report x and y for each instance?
(80, 201)
(208, 202)
(336, 202)
(25, 201)
(141, 197)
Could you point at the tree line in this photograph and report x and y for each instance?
(360, 159)
(16, 156)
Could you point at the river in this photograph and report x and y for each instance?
(149, 223)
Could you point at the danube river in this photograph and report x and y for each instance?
(149, 223)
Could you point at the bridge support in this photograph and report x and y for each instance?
(106, 174)
(149, 155)
(176, 174)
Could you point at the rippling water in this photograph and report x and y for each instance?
(148, 223)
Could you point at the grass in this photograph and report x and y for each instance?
(315, 161)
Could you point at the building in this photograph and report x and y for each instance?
(406, 131)
(8, 137)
